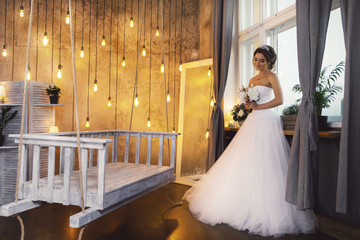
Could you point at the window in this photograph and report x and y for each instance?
(274, 22)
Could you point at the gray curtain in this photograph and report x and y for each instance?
(348, 186)
(312, 19)
(222, 36)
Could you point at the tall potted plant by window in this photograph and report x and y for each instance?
(5, 117)
(54, 94)
(325, 91)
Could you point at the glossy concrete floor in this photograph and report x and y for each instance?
(150, 217)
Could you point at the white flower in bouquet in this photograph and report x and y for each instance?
(253, 94)
(243, 96)
(241, 113)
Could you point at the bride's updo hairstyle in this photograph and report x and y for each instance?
(269, 54)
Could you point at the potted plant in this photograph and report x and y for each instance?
(54, 94)
(5, 117)
(325, 91)
(289, 116)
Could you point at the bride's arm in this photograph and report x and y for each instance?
(278, 100)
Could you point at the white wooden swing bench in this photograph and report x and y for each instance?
(106, 186)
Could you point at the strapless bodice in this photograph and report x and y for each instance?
(266, 94)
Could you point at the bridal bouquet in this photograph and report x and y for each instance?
(248, 94)
(239, 112)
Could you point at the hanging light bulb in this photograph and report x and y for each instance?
(131, 22)
(109, 102)
(162, 68)
(136, 100)
(123, 62)
(95, 86)
(173, 129)
(144, 51)
(87, 122)
(209, 72)
(157, 33)
(180, 67)
(21, 11)
(59, 75)
(148, 122)
(207, 134)
(28, 74)
(4, 53)
(82, 52)
(168, 97)
(45, 39)
(67, 20)
(212, 101)
(103, 42)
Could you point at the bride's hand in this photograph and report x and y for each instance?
(251, 104)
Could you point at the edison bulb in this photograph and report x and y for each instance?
(207, 134)
(4, 52)
(209, 72)
(109, 102)
(28, 76)
(148, 123)
(21, 11)
(144, 51)
(173, 129)
(45, 39)
(95, 86)
(131, 22)
(162, 68)
(123, 62)
(157, 33)
(87, 122)
(168, 97)
(82, 52)
(180, 67)
(59, 75)
(67, 20)
(212, 102)
(103, 42)
(136, 101)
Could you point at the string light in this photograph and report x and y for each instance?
(87, 122)
(4, 53)
(136, 102)
(21, 11)
(157, 33)
(82, 54)
(109, 102)
(109, 99)
(144, 51)
(59, 75)
(103, 42)
(162, 68)
(45, 39)
(28, 76)
(67, 20)
(168, 99)
(131, 22)
(212, 102)
(131, 18)
(123, 64)
(95, 86)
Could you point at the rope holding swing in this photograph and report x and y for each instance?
(77, 117)
(23, 119)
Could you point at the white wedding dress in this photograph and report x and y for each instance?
(245, 188)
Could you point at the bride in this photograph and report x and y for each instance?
(245, 188)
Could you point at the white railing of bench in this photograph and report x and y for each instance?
(89, 141)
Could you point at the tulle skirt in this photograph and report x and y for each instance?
(245, 188)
